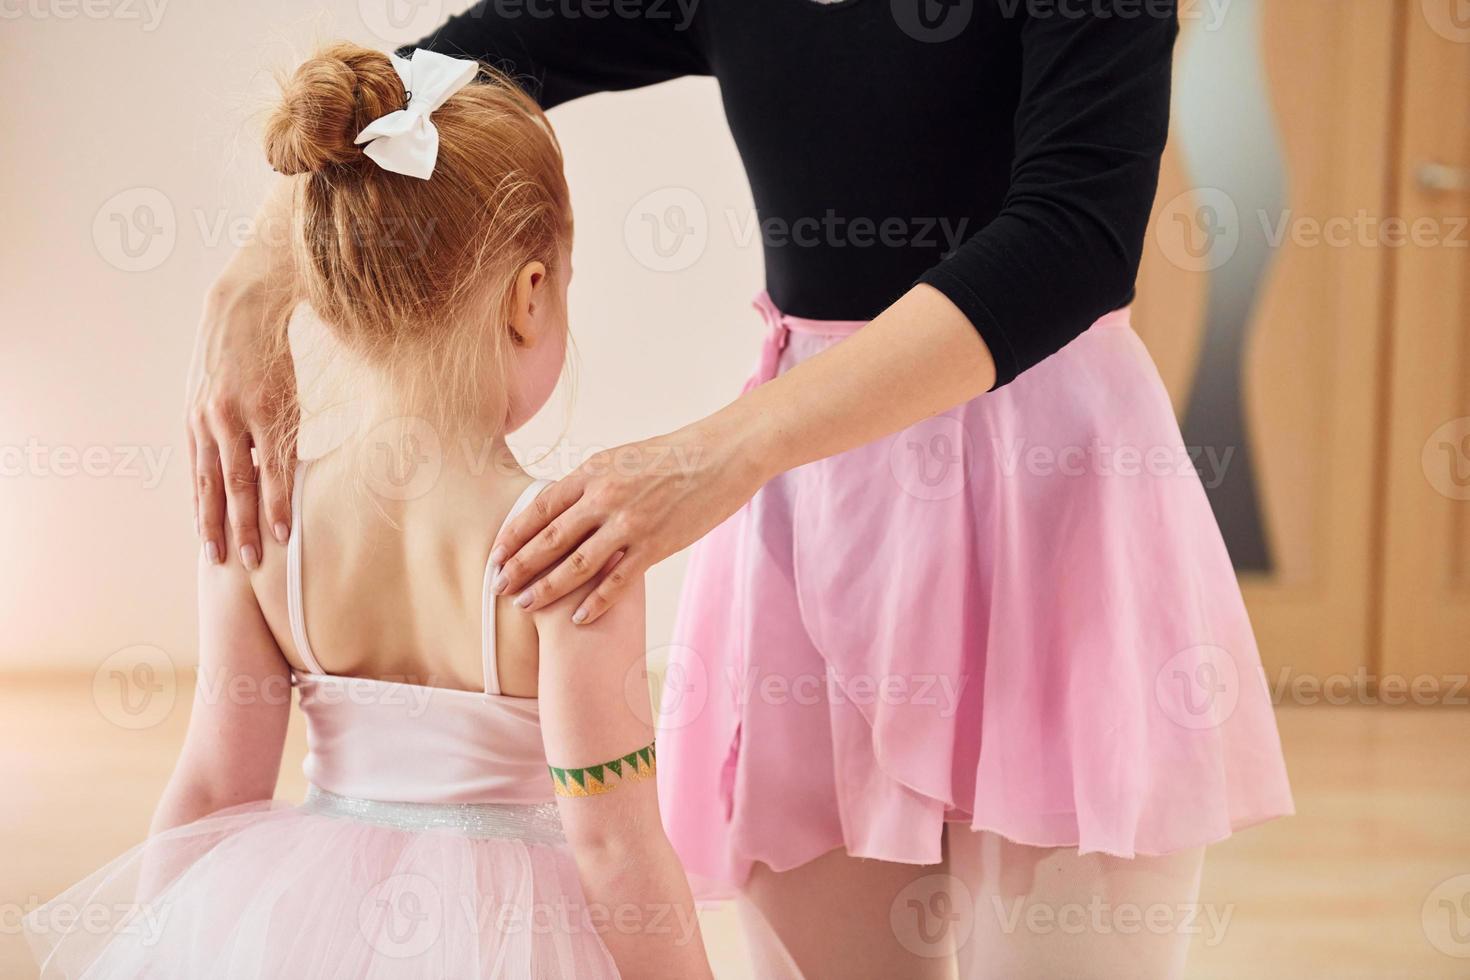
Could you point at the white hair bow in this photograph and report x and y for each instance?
(405, 141)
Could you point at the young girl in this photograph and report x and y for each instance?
(481, 802)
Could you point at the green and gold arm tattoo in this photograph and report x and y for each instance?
(595, 780)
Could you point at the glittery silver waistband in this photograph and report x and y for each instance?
(534, 823)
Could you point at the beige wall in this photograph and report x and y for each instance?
(111, 104)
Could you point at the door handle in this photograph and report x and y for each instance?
(1441, 178)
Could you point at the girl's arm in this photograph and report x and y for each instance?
(596, 722)
(237, 727)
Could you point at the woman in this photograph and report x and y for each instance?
(1005, 638)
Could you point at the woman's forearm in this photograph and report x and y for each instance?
(256, 289)
(263, 263)
(645, 502)
(918, 358)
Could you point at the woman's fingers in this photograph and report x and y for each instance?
(193, 468)
(566, 537)
(598, 552)
(276, 474)
(547, 507)
(209, 491)
(625, 568)
(272, 424)
(241, 494)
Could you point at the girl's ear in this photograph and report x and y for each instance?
(530, 307)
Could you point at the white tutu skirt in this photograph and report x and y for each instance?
(335, 888)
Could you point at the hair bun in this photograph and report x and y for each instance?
(325, 104)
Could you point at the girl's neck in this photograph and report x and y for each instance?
(406, 458)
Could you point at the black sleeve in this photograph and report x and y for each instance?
(560, 51)
(1089, 130)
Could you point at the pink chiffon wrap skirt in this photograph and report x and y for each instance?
(1018, 616)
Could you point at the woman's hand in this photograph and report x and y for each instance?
(627, 509)
(631, 507)
(242, 381)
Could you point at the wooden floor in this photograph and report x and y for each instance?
(1342, 890)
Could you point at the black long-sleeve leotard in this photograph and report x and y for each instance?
(1004, 151)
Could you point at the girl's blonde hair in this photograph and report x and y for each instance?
(413, 276)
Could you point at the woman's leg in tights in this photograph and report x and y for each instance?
(994, 909)
(845, 918)
(1048, 912)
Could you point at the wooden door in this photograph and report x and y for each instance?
(1425, 628)
(1263, 302)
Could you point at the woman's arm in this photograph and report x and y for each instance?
(558, 56)
(920, 357)
(595, 714)
(241, 382)
(237, 726)
(1090, 127)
